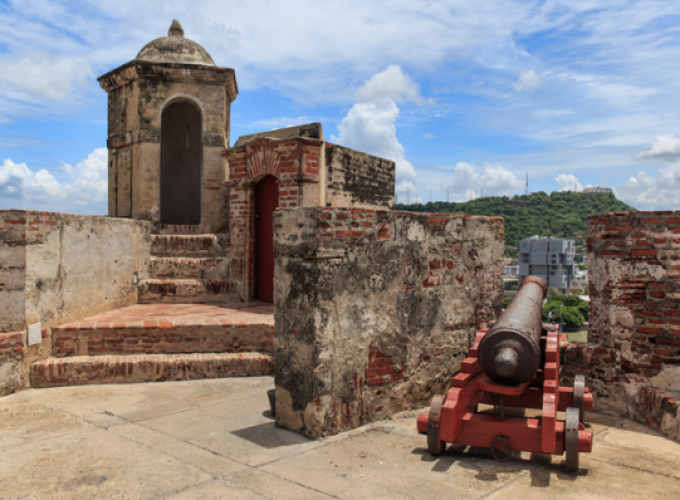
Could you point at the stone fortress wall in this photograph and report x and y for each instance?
(375, 310)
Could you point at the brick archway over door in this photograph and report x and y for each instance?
(266, 201)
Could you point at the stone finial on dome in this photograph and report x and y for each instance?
(176, 29)
(174, 48)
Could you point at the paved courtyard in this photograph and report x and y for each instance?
(176, 315)
(215, 439)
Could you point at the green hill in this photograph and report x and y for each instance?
(560, 214)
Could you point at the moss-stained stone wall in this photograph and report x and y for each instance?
(358, 179)
(375, 310)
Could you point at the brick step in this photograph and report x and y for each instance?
(188, 245)
(180, 229)
(186, 291)
(82, 370)
(207, 268)
(162, 336)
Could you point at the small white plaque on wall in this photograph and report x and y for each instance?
(34, 334)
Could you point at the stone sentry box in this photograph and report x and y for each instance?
(375, 310)
(169, 114)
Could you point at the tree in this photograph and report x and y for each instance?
(573, 309)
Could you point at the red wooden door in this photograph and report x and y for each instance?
(266, 201)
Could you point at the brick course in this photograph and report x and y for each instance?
(81, 370)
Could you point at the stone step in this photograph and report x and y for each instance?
(188, 245)
(186, 291)
(217, 334)
(207, 268)
(180, 229)
(82, 370)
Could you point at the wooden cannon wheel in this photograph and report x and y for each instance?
(579, 395)
(434, 445)
(571, 427)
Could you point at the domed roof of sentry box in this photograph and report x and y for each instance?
(174, 48)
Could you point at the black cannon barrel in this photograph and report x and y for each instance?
(510, 352)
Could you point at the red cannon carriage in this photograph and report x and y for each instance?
(514, 364)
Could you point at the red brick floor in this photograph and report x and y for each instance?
(173, 315)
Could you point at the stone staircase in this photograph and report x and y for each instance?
(151, 343)
(187, 267)
(188, 324)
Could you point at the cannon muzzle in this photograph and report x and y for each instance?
(510, 352)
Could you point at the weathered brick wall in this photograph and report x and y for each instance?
(11, 357)
(633, 358)
(375, 310)
(357, 179)
(56, 268)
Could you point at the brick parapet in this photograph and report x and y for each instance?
(634, 276)
(375, 309)
(660, 410)
(634, 280)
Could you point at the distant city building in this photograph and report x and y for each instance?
(512, 269)
(549, 259)
(581, 278)
(597, 190)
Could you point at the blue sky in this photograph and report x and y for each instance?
(464, 96)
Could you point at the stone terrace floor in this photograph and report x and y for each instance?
(173, 315)
(215, 439)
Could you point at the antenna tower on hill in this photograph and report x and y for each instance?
(526, 184)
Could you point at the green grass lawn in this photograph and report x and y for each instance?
(580, 336)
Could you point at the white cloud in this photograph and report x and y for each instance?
(85, 191)
(569, 182)
(494, 180)
(404, 170)
(645, 192)
(282, 122)
(663, 147)
(406, 191)
(43, 77)
(392, 83)
(528, 81)
(370, 127)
